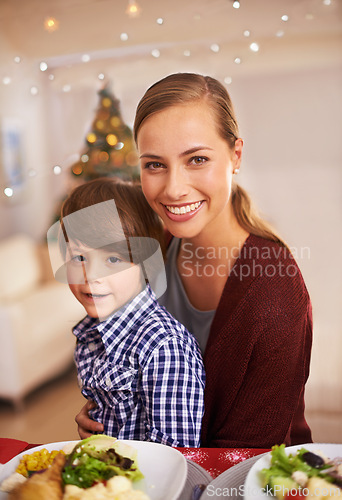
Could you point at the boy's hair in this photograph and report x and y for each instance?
(137, 219)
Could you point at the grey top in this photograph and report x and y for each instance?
(177, 303)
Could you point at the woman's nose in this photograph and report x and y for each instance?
(176, 185)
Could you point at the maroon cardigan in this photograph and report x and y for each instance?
(258, 353)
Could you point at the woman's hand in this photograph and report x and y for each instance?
(87, 426)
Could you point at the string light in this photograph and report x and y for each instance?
(133, 9)
(34, 90)
(237, 60)
(8, 192)
(57, 170)
(43, 66)
(246, 33)
(85, 58)
(228, 80)
(17, 59)
(124, 37)
(254, 47)
(66, 88)
(111, 139)
(280, 33)
(236, 4)
(187, 53)
(155, 53)
(215, 47)
(101, 76)
(160, 20)
(91, 138)
(51, 24)
(77, 170)
(285, 18)
(6, 80)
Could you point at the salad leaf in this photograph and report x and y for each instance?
(283, 465)
(86, 474)
(98, 459)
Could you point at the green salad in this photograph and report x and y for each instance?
(97, 459)
(298, 474)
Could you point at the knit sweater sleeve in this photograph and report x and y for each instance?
(257, 362)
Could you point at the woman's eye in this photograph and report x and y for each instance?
(153, 165)
(198, 160)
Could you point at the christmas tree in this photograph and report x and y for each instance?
(110, 148)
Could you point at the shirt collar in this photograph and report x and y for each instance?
(110, 329)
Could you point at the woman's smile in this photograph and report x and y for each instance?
(183, 212)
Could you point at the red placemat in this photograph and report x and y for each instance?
(217, 460)
(9, 448)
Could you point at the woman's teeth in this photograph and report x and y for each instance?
(184, 209)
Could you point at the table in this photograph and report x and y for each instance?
(213, 460)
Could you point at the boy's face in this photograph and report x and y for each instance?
(100, 280)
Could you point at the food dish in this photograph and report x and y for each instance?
(164, 468)
(252, 487)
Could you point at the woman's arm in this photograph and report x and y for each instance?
(257, 363)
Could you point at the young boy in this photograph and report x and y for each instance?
(142, 368)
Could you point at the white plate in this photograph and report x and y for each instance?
(164, 468)
(253, 489)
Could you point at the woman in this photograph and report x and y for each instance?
(231, 280)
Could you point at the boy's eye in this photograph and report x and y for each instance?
(78, 258)
(113, 260)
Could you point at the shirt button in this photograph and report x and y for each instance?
(91, 346)
(108, 382)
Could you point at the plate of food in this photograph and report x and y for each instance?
(100, 467)
(295, 472)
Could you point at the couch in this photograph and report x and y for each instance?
(36, 317)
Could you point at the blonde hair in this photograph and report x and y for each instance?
(182, 88)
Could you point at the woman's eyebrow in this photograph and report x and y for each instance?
(150, 155)
(195, 149)
(184, 153)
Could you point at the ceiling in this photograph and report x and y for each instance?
(191, 32)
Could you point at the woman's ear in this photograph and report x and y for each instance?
(237, 153)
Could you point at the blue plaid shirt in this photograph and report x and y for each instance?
(145, 372)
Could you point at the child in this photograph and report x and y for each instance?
(140, 366)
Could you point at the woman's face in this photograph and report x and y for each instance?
(187, 168)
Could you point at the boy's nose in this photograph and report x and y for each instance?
(91, 272)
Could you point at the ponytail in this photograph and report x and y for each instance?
(248, 217)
